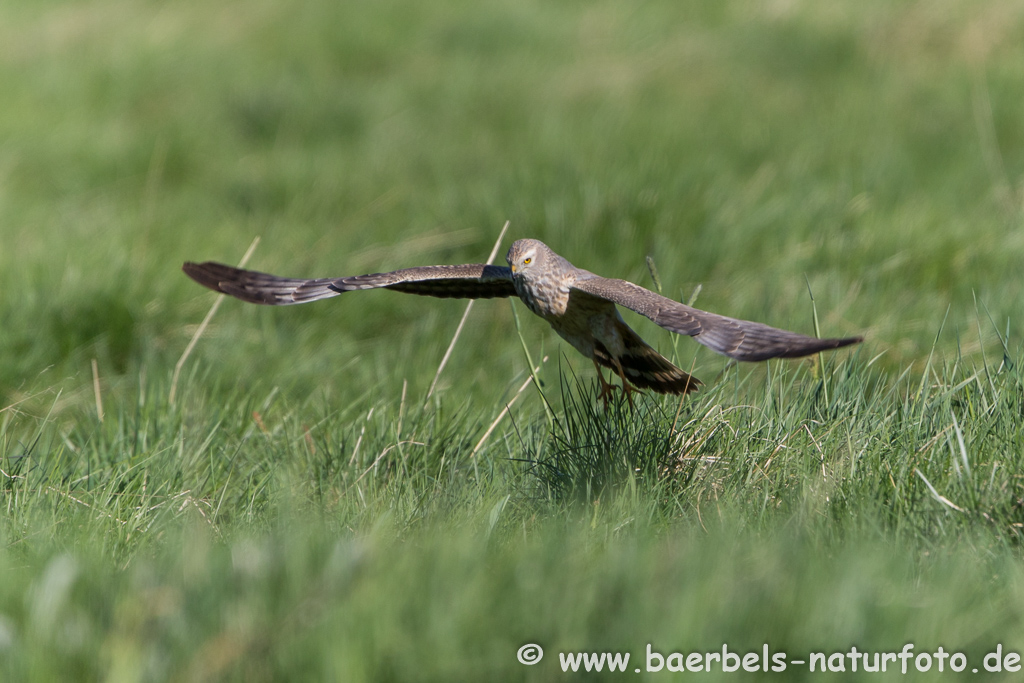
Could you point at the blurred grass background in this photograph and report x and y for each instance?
(875, 149)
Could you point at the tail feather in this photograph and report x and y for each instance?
(645, 368)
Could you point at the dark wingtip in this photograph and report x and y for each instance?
(204, 273)
(847, 341)
(826, 345)
(809, 346)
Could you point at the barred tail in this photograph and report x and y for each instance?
(644, 367)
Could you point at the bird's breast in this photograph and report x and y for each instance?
(548, 300)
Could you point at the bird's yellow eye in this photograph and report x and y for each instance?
(526, 261)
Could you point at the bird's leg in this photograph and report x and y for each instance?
(627, 388)
(606, 387)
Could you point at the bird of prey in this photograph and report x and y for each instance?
(579, 305)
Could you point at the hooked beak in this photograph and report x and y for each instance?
(513, 267)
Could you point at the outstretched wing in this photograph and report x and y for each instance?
(739, 339)
(473, 281)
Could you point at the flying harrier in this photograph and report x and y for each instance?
(578, 304)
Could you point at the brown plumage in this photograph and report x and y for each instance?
(579, 305)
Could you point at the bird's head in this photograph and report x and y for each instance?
(524, 255)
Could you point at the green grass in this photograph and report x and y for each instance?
(303, 511)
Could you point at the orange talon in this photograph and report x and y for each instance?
(627, 388)
(606, 387)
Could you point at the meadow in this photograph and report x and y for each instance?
(309, 498)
